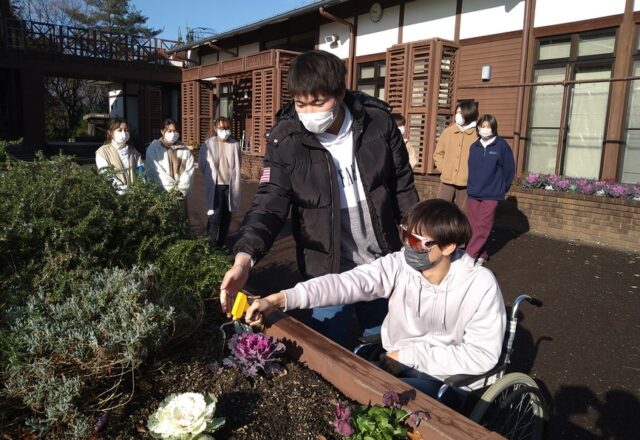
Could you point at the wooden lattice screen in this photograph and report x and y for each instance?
(190, 110)
(205, 120)
(420, 84)
(263, 107)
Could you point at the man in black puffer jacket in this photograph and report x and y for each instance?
(337, 161)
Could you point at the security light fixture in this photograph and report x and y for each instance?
(332, 40)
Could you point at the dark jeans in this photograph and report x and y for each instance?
(218, 223)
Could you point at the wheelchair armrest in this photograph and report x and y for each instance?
(370, 339)
(463, 380)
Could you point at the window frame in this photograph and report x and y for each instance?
(377, 81)
(571, 64)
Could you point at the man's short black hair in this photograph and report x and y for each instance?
(469, 110)
(493, 123)
(317, 73)
(442, 220)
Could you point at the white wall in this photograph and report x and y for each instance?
(488, 17)
(377, 37)
(209, 58)
(116, 104)
(636, 5)
(550, 12)
(342, 51)
(424, 19)
(249, 49)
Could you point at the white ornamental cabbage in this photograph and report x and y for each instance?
(186, 416)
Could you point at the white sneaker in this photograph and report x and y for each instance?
(480, 261)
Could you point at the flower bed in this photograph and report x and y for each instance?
(605, 188)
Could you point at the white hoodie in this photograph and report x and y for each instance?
(456, 327)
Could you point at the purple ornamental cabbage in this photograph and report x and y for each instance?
(561, 184)
(532, 180)
(618, 190)
(341, 422)
(255, 351)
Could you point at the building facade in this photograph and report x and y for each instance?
(561, 76)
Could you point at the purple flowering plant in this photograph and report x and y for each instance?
(252, 352)
(607, 188)
(376, 422)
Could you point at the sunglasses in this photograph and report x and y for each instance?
(416, 242)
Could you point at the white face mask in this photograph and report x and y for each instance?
(401, 128)
(459, 119)
(171, 136)
(223, 134)
(485, 133)
(317, 122)
(120, 137)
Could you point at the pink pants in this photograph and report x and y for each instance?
(480, 214)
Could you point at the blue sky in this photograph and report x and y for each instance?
(217, 14)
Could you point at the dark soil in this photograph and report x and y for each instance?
(298, 405)
(582, 346)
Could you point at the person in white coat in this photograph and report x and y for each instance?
(219, 161)
(446, 314)
(169, 163)
(116, 153)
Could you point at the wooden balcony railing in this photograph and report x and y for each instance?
(53, 39)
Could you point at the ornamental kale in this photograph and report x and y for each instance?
(606, 187)
(255, 351)
(375, 422)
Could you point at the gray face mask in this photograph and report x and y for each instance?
(417, 260)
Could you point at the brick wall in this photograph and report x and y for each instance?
(593, 219)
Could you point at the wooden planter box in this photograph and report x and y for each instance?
(363, 382)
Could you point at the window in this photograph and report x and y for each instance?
(568, 122)
(226, 100)
(371, 78)
(630, 163)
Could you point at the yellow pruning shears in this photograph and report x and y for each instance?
(240, 307)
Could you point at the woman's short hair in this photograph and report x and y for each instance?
(469, 110)
(443, 221)
(222, 122)
(317, 73)
(493, 122)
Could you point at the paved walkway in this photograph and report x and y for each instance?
(582, 346)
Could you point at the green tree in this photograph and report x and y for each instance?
(113, 16)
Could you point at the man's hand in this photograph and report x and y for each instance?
(261, 306)
(234, 280)
(390, 363)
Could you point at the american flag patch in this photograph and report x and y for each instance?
(266, 175)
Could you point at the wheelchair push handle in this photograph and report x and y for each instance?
(524, 297)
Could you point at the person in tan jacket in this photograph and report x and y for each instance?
(452, 154)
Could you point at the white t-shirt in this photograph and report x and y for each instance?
(358, 244)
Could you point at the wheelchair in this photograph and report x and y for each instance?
(510, 404)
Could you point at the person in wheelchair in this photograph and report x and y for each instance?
(446, 315)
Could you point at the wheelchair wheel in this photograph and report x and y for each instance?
(513, 407)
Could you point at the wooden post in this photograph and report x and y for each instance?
(618, 96)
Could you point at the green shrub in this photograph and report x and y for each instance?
(72, 355)
(91, 284)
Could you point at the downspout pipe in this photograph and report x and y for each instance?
(528, 15)
(352, 42)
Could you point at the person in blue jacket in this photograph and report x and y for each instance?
(491, 172)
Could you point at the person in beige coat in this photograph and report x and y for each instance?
(220, 163)
(452, 154)
(116, 153)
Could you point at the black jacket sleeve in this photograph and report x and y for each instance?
(402, 185)
(269, 210)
